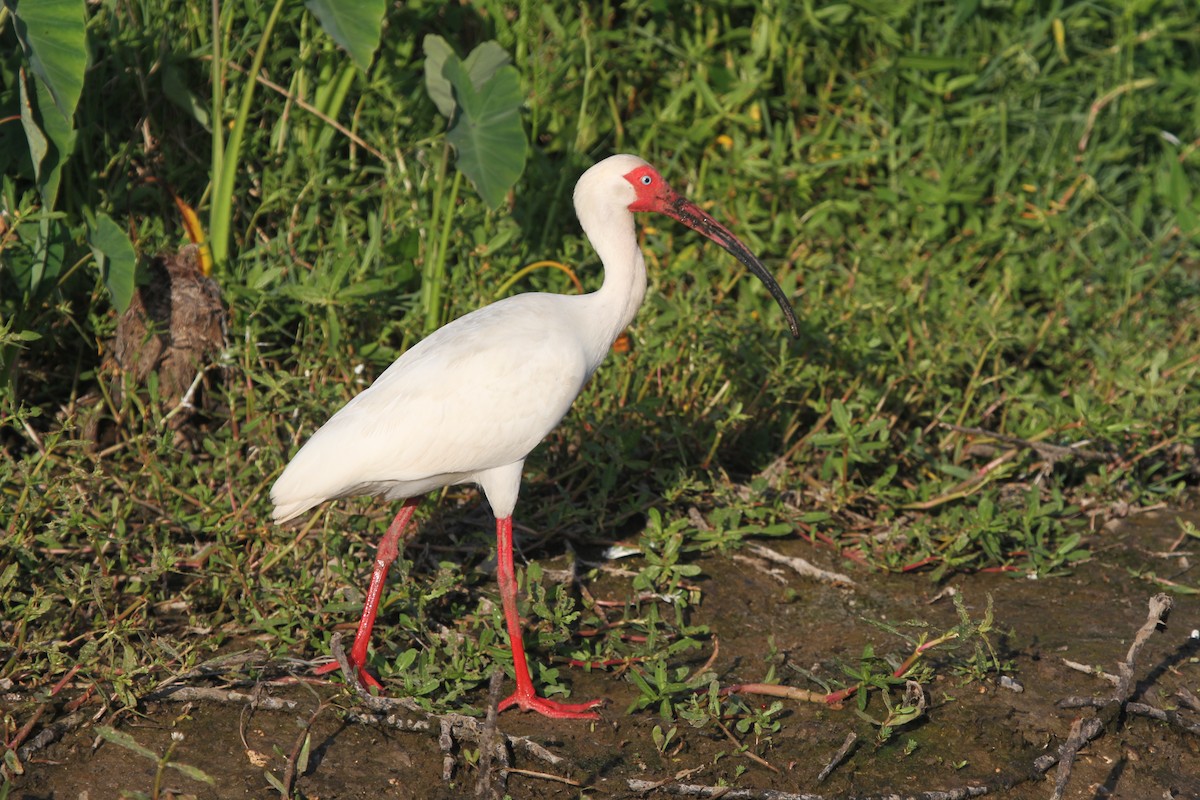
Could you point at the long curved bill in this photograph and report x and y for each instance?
(694, 217)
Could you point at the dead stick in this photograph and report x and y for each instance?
(209, 694)
(1160, 606)
(745, 750)
(839, 756)
(1085, 730)
(546, 776)
(293, 762)
(1044, 449)
(492, 782)
(1082, 732)
(729, 793)
(398, 713)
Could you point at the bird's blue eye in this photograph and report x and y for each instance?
(647, 180)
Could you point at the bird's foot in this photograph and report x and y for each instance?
(530, 701)
(364, 677)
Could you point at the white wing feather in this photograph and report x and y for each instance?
(477, 394)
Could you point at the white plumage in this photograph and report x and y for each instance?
(468, 403)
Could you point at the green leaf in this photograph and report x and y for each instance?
(123, 739)
(10, 572)
(302, 760)
(12, 762)
(276, 784)
(841, 417)
(437, 52)
(39, 145)
(41, 257)
(356, 26)
(53, 34)
(488, 135)
(116, 259)
(177, 92)
(50, 142)
(195, 773)
(484, 62)
(481, 66)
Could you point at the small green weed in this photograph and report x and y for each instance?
(989, 231)
(162, 762)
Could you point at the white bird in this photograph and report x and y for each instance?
(468, 403)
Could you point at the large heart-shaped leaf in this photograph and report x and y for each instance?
(437, 51)
(355, 26)
(54, 41)
(39, 145)
(484, 62)
(487, 133)
(53, 34)
(481, 65)
(50, 142)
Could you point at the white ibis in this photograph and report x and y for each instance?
(468, 403)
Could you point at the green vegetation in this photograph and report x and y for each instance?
(984, 212)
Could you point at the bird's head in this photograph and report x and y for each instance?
(639, 187)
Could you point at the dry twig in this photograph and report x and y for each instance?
(1111, 708)
(839, 756)
(801, 566)
(491, 782)
(729, 793)
(402, 713)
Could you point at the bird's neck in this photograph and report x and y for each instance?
(617, 301)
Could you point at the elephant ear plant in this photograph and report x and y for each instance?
(43, 226)
(480, 97)
(41, 229)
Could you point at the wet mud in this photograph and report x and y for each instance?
(975, 735)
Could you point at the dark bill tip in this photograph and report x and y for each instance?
(695, 218)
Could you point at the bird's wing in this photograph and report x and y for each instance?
(477, 394)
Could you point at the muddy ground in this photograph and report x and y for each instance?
(976, 738)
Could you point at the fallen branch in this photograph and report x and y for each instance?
(801, 566)
(1172, 718)
(1082, 732)
(545, 776)
(1050, 452)
(1110, 708)
(491, 782)
(838, 757)
(403, 713)
(1090, 670)
(211, 694)
(745, 751)
(52, 733)
(728, 793)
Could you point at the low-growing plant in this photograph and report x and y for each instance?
(988, 231)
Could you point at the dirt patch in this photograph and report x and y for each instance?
(974, 734)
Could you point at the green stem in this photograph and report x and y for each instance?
(217, 77)
(443, 248)
(333, 103)
(222, 200)
(433, 273)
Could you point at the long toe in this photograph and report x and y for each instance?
(552, 708)
(364, 677)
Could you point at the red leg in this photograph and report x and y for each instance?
(385, 554)
(525, 696)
